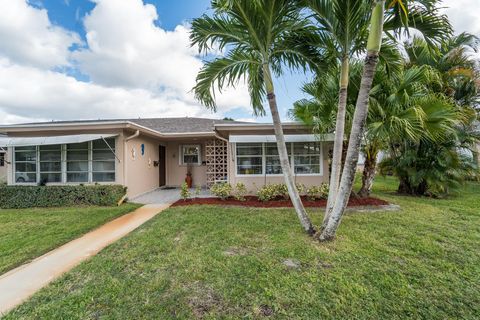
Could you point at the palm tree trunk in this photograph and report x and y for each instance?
(358, 124)
(369, 171)
(283, 155)
(338, 140)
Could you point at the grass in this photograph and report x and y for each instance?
(28, 233)
(227, 263)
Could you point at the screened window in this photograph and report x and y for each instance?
(306, 157)
(249, 158)
(191, 154)
(262, 158)
(74, 163)
(2, 159)
(272, 160)
(26, 164)
(51, 163)
(103, 160)
(77, 162)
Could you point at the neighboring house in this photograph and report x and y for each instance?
(145, 154)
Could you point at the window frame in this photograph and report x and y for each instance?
(3, 159)
(182, 158)
(64, 171)
(291, 159)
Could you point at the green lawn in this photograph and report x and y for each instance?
(28, 233)
(227, 263)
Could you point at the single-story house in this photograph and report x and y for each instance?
(146, 154)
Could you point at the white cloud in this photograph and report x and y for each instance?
(127, 49)
(464, 15)
(136, 69)
(30, 93)
(28, 37)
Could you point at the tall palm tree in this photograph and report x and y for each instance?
(343, 29)
(261, 38)
(397, 10)
(342, 26)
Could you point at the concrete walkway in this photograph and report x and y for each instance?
(20, 283)
(167, 196)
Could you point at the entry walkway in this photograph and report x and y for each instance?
(22, 282)
(169, 195)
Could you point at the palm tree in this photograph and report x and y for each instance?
(261, 37)
(394, 113)
(342, 26)
(398, 12)
(343, 29)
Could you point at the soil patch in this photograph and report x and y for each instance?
(252, 201)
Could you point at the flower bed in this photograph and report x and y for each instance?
(251, 201)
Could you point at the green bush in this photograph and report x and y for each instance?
(16, 197)
(273, 191)
(222, 190)
(240, 191)
(185, 191)
(317, 192)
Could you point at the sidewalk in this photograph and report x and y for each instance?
(20, 283)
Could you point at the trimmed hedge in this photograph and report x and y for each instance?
(17, 197)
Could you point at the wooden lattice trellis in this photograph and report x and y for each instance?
(217, 164)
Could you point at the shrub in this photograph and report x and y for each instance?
(301, 188)
(272, 191)
(222, 190)
(317, 192)
(185, 191)
(17, 197)
(198, 190)
(240, 191)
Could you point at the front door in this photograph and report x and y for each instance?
(162, 166)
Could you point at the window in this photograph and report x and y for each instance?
(272, 160)
(72, 163)
(190, 154)
(51, 163)
(306, 157)
(103, 160)
(249, 158)
(2, 159)
(77, 162)
(26, 164)
(262, 158)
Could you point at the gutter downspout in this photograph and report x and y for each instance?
(125, 157)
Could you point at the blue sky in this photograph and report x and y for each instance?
(80, 59)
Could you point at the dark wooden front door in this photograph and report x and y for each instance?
(162, 166)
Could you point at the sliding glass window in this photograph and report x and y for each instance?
(51, 163)
(25, 164)
(86, 162)
(103, 160)
(78, 162)
(307, 157)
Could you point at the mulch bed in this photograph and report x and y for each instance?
(252, 201)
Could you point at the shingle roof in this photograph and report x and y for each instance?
(180, 125)
(163, 125)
